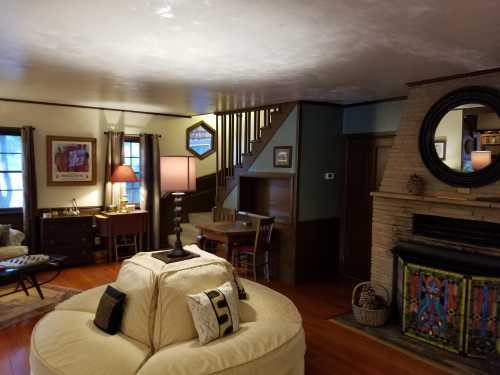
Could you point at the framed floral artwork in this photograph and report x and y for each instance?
(71, 161)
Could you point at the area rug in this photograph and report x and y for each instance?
(391, 335)
(17, 307)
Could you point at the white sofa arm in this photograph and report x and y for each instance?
(86, 301)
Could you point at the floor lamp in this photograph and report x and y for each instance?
(178, 176)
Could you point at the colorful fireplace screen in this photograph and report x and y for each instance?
(450, 310)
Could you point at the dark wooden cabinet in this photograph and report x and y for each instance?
(72, 236)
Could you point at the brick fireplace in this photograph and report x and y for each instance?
(394, 208)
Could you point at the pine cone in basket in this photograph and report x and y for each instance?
(366, 296)
(377, 303)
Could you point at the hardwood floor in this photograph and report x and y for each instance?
(331, 349)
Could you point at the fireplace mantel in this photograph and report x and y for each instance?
(456, 201)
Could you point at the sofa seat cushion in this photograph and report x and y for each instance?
(263, 303)
(67, 342)
(276, 348)
(7, 252)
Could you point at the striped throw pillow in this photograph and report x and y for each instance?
(215, 312)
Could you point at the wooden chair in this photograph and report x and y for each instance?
(223, 214)
(218, 214)
(247, 255)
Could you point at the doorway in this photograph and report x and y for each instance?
(366, 158)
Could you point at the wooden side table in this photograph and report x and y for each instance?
(113, 224)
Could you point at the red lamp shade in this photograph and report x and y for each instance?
(123, 173)
(178, 174)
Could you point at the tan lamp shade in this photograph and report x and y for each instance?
(178, 174)
(480, 159)
(123, 173)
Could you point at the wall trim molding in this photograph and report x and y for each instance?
(454, 76)
(378, 101)
(25, 101)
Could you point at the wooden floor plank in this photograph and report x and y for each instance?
(331, 349)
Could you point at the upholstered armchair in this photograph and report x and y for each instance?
(14, 247)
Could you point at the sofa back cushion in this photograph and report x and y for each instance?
(137, 279)
(173, 322)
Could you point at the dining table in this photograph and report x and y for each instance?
(228, 233)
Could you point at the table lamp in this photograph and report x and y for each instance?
(480, 159)
(123, 173)
(178, 176)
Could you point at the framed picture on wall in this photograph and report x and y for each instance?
(282, 157)
(71, 161)
(440, 145)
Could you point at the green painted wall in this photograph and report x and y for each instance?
(373, 118)
(321, 151)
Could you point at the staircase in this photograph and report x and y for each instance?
(242, 135)
(189, 230)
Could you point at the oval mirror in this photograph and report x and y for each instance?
(460, 137)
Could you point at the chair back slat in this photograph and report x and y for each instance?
(223, 214)
(263, 235)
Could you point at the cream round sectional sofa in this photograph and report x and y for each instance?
(157, 335)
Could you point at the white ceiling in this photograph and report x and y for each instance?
(197, 56)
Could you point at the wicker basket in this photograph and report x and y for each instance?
(371, 317)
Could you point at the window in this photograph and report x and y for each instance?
(11, 170)
(132, 157)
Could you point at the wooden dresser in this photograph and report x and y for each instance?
(72, 236)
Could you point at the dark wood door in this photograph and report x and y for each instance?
(365, 165)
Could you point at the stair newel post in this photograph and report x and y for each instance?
(231, 144)
(236, 131)
(223, 149)
(238, 152)
(256, 125)
(217, 157)
(247, 122)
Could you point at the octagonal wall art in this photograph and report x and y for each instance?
(200, 140)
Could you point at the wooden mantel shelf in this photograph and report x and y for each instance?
(441, 200)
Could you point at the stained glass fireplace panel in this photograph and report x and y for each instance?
(433, 306)
(482, 316)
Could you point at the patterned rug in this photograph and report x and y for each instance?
(391, 335)
(17, 307)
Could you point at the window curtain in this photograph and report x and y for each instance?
(150, 186)
(114, 158)
(30, 207)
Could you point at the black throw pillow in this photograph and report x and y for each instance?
(108, 316)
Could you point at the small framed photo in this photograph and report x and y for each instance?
(282, 157)
(440, 145)
(71, 161)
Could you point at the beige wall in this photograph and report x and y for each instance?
(69, 121)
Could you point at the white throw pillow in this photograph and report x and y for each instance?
(215, 312)
(16, 237)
